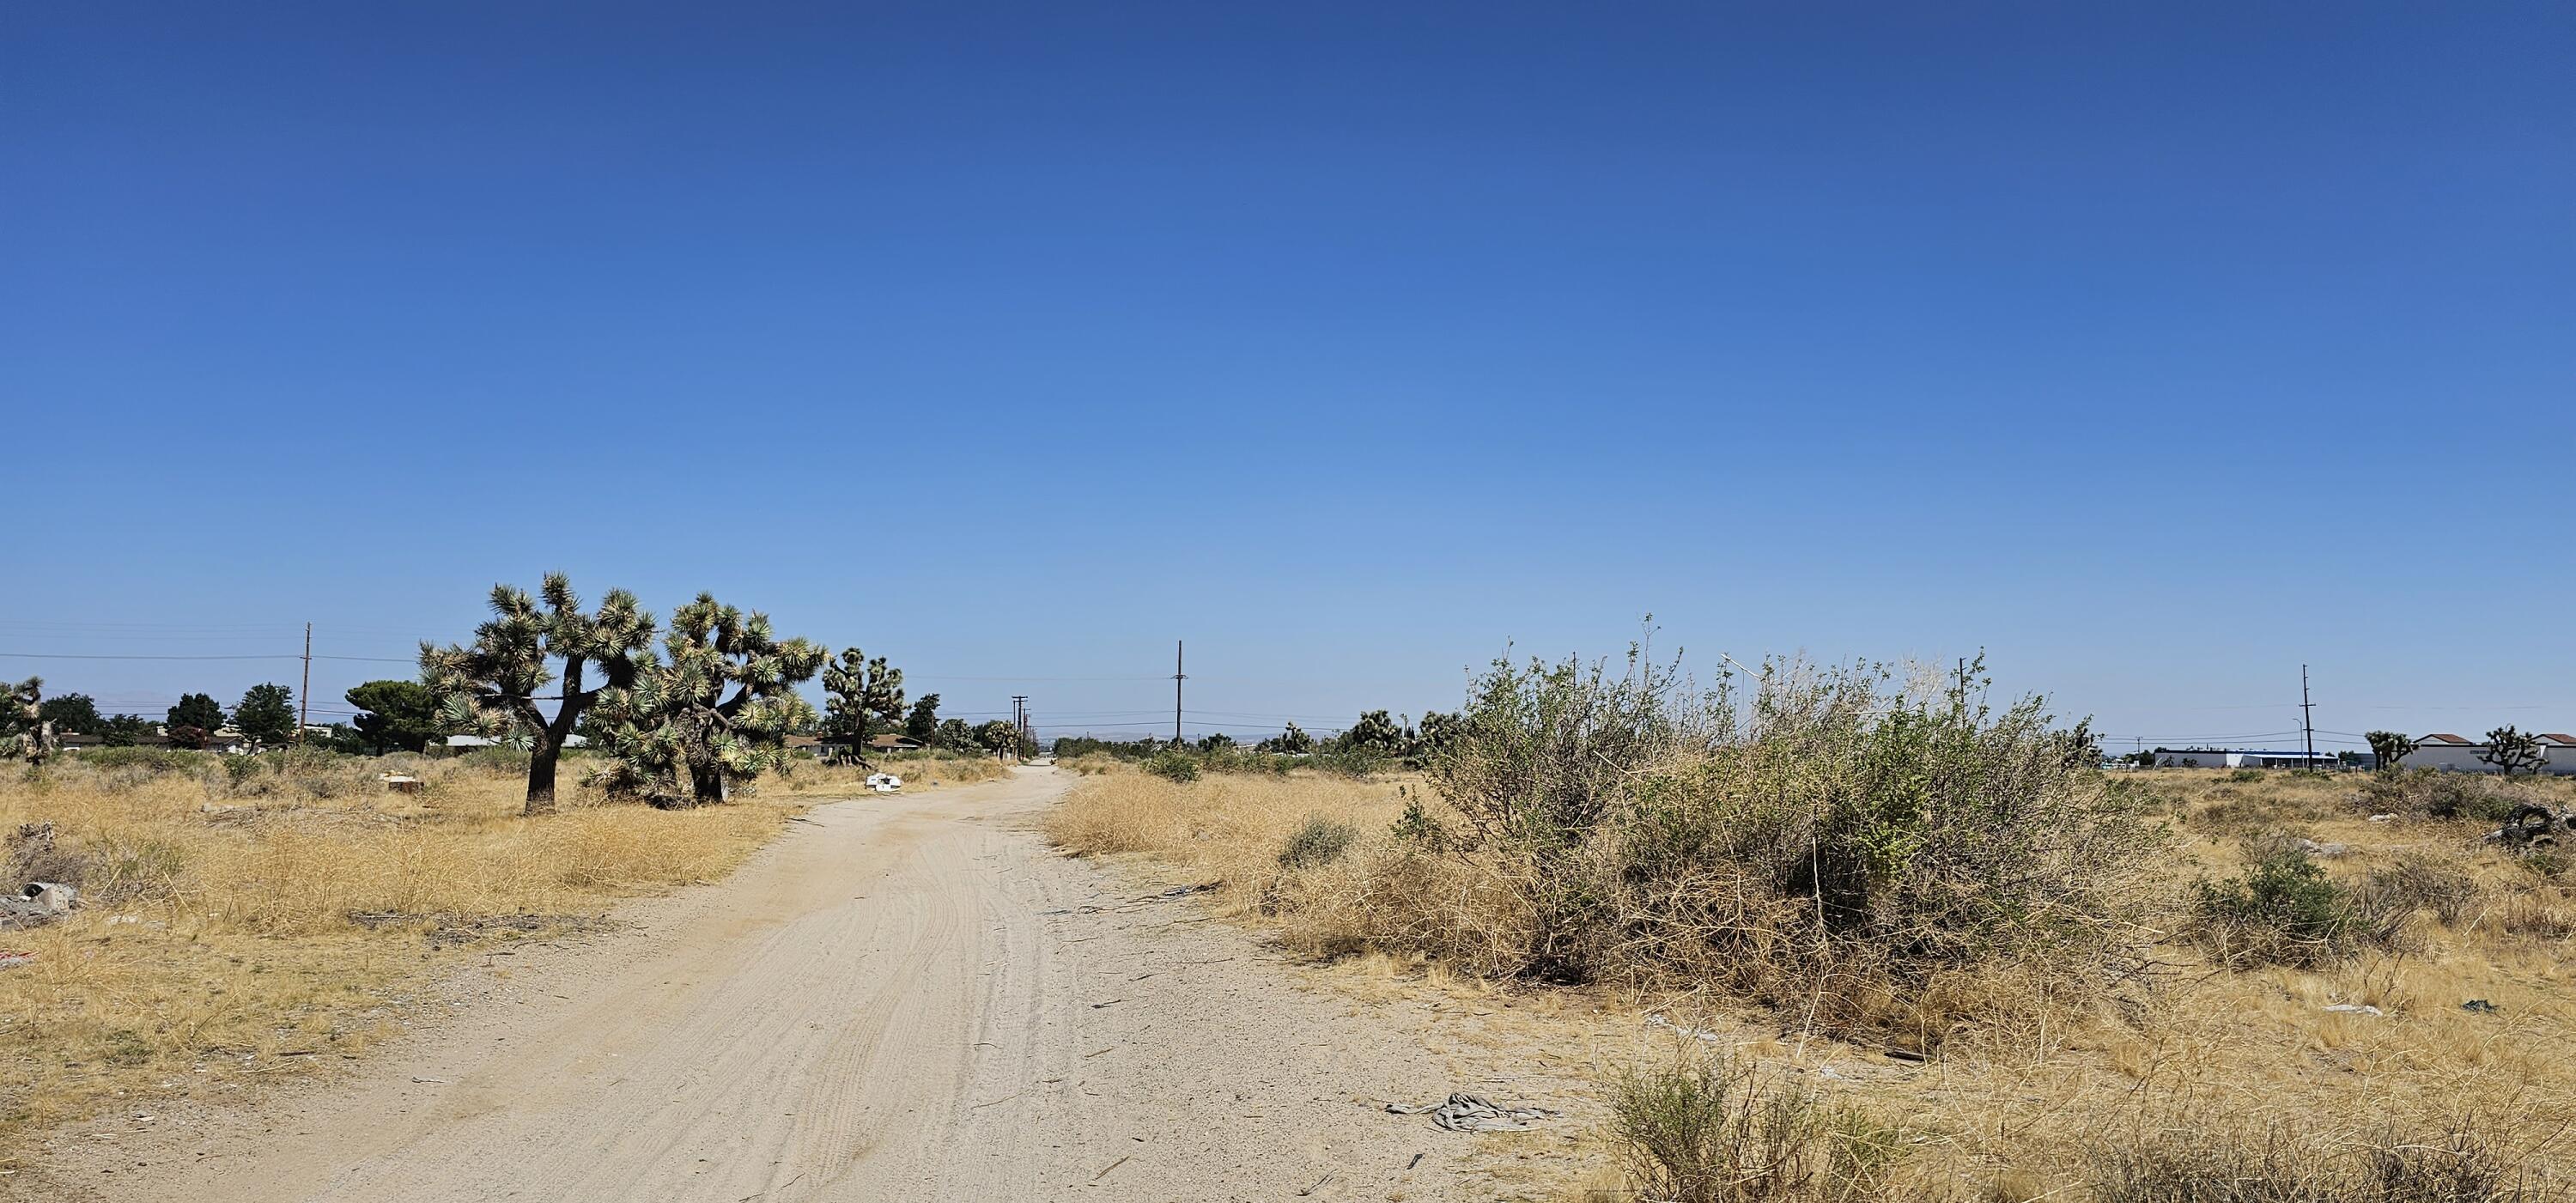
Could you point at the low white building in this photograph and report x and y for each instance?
(2458, 754)
(2240, 758)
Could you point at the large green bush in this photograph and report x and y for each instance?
(2286, 911)
(1830, 837)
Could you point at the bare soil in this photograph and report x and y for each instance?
(904, 998)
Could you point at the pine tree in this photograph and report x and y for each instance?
(678, 739)
(922, 725)
(394, 715)
(493, 687)
(266, 715)
(193, 720)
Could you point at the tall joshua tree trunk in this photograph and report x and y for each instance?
(494, 684)
(546, 743)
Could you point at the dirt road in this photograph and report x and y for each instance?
(902, 998)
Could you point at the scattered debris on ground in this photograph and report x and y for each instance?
(43, 880)
(41, 902)
(449, 930)
(2532, 826)
(1476, 1113)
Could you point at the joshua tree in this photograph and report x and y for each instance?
(679, 740)
(2389, 746)
(1376, 732)
(1293, 741)
(2512, 751)
(863, 693)
(998, 737)
(31, 735)
(956, 736)
(494, 686)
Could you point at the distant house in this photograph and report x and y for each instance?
(893, 743)
(466, 743)
(2458, 754)
(2240, 758)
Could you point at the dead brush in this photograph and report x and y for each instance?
(2200, 1159)
(2420, 881)
(1714, 1129)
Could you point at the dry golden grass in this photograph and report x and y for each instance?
(2014, 1113)
(215, 945)
(1226, 827)
(919, 770)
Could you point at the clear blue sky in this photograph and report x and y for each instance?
(2156, 350)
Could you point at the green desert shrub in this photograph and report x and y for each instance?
(1173, 764)
(1837, 839)
(2429, 793)
(2286, 911)
(1320, 842)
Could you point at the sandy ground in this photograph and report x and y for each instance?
(901, 998)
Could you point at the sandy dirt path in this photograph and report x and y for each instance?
(902, 998)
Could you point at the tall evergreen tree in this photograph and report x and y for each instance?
(266, 715)
(922, 725)
(193, 719)
(493, 686)
(73, 714)
(394, 714)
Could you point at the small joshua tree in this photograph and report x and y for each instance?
(678, 738)
(1292, 741)
(493, 686)
(2389, 747)
(2512, 751)
(1377, 733)
(999, 738)
(31, 735)
(863, 693)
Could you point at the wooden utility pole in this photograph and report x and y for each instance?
(304, 695)
(2307, 716)
(1177, 677)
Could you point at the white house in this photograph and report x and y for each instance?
(2240, 758)
(2457, 754)
(469, 742)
